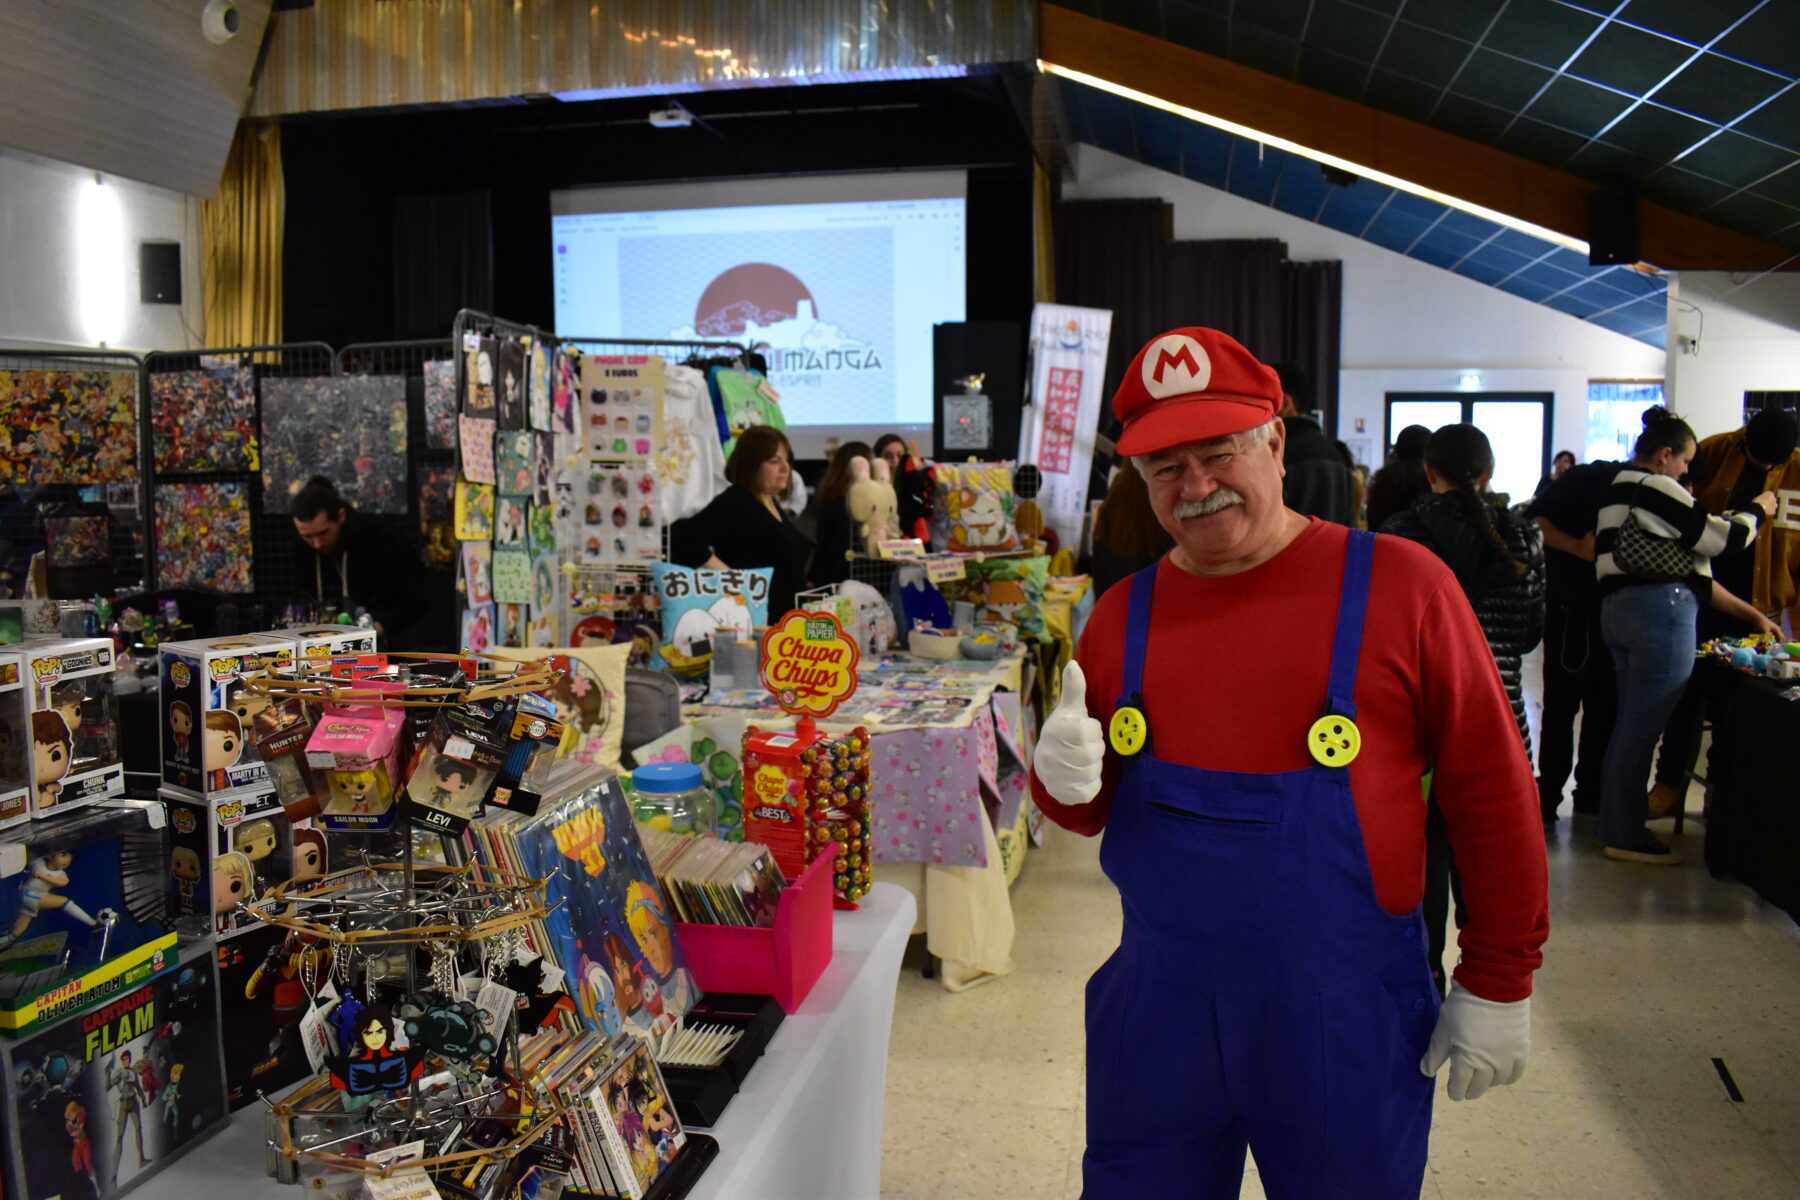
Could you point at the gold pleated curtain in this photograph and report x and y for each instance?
(240, 229)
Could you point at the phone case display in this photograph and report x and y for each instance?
(972, 509)
(358, 750)
(69, 426)
(86, 913)
(623, 395)
(204, 420)
(16, 779)
(622, 517)
(207, 713)
(609, 927)
(74, 723)
(440, 404)
(349, 428)
(96, 1104)
(267, 976)
(696, 603)
(224, 855)
(203, 536)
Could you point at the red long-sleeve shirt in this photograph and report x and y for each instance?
(1236, 673)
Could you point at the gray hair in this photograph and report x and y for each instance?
(1248, 439)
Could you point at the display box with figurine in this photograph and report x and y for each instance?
(96, 1103)
(74, 722)
(207, 713)
(269, 978)
(86, 910)
(316, 645)
(15, 718)
(224, 854)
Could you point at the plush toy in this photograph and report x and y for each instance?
(916, 485)
(873, 505)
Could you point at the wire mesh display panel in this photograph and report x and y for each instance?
(211, 445)
(73, 471)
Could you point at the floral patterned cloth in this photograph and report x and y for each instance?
(927, 796)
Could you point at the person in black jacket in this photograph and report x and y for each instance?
(1402, 480)
(836, 530)
(1317, 481)
(1498, 558)
(745, 526)
(358, 561)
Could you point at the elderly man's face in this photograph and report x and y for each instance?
(1220, 499)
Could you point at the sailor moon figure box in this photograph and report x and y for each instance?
(208, 714)
(84, 911)
(74, 723)
(97, 1103)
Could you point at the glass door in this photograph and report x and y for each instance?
(1517, 425)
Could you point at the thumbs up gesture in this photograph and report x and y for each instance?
(1070, 746)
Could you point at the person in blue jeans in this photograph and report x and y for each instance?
(1649, 624)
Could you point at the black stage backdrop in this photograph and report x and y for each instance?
(397, 219)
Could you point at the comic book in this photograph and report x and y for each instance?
(642, 1133)
(612, 931)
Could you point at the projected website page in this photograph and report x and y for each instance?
(836, 280)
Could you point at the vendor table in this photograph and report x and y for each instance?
(949, 769)
(806, 1123)
(1753, 821)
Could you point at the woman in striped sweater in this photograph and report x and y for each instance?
(1649, 625)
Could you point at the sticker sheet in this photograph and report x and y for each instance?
(546, 587)
(538, 404)
(514, 620)
(440, 404)
(474, 511)
(478, 378)
(509, 522)
(437, 486)
(563, 401)
(478, 583)
(475, 446)
(540, 529)
(478, 628)
(203, 536)
(204, 420)
(514, 470)
(509, 385)
(543, 465)
(512, 577)
(349, 428)
(68, 427)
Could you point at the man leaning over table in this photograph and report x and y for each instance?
(1248, 721)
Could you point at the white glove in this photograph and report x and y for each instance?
(1070, 746)
(1486, 1042)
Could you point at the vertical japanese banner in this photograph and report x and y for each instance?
(1068, 368)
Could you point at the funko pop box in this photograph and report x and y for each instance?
(225, 853)
(96, 1103)
(15, 759)
(316, 645)
(83, 910)
(207, 713)
(74, 722)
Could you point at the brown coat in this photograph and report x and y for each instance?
(1777, 546)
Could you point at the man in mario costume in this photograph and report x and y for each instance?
(1249, 721)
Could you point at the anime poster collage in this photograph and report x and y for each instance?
(622, 510)
(515, 432)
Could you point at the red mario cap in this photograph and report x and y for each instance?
(1191, 384)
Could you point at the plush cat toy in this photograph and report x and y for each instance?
(873, 504)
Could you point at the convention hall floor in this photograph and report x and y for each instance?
(1650, 974)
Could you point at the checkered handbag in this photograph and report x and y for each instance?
(1649, 556)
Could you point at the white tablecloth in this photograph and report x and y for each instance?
(806, 1124)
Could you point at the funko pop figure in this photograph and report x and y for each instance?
(233, 878)
(452, 785)
(224, 741)
(181, 723)
(184, 868)
(67, 698)
(309, 856)
(52, 749)
(255, 840)
(245, 704)
(360, 792)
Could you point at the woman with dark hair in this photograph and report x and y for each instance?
(745, 526)
(1127, 535)
(1648, 621)
(1498, 559)
(836, 529)
(1402, 480)
(1561, 465)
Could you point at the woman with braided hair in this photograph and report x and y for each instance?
(1498, 558)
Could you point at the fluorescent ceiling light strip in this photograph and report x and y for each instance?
(1330, 160)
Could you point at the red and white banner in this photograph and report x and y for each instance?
(1068, 368)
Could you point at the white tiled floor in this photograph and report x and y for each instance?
(1649, 975)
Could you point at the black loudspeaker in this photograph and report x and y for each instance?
(995, 349)
(159, 272)
(1612, 228)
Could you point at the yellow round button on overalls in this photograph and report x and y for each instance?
(1128, 730)
(1334, 741)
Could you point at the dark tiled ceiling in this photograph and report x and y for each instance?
(1617, 298)
(1691, 102)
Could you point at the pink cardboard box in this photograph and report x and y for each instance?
(358, 749)
(783, 962)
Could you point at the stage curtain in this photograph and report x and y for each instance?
(1315, 309)
(241, 230)
(1228, 284)
(1043, 248)
(1112, 254)
(443, 261)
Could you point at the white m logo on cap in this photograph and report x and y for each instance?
(1174, 365)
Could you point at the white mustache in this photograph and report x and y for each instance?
(1219, 501)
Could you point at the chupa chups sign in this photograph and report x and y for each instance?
(809, 664)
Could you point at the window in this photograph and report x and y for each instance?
(1615, 412)
(1517, 425)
